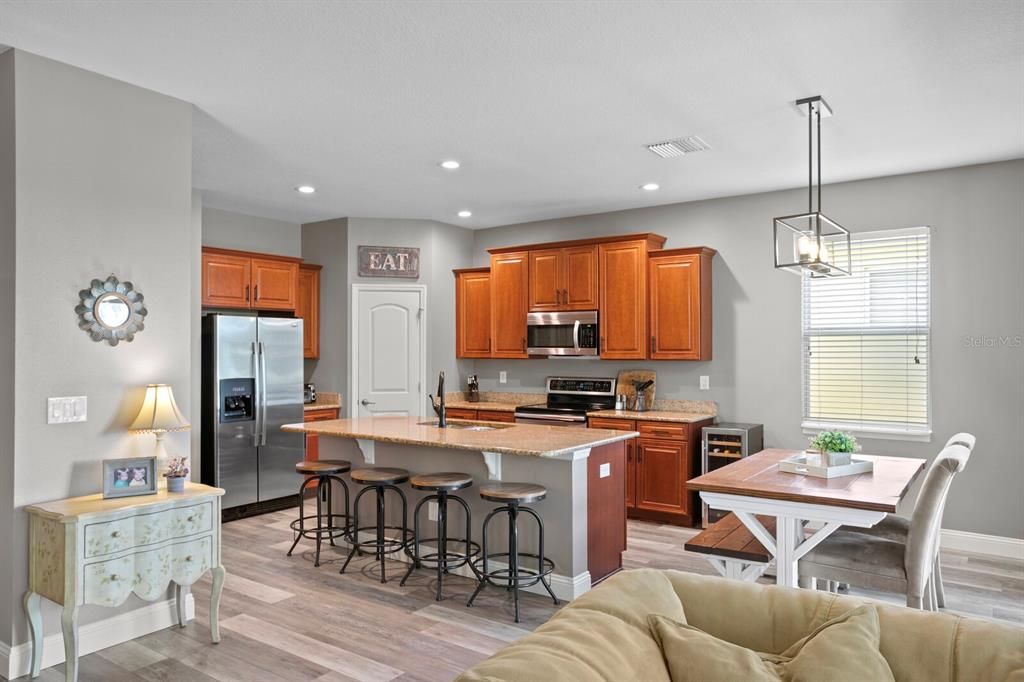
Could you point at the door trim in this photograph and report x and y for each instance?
(353, 388)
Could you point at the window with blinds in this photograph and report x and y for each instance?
(866, 337)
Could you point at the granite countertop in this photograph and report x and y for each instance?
(492, 406)
(324, 401)
(510, 439)
(654, 415)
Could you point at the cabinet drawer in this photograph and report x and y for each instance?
(460, 413)
(496, 416)
(147, 574)
(147, 529)
(325, 414)
(662, 430)
(616, 424)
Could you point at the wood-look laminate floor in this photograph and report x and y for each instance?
(284, 620)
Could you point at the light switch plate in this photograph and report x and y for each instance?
(605, 470)
(66, 410)
(502, 377)
(705, 382)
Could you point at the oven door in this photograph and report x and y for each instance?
(562, 334)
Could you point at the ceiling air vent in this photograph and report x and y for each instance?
(679, 146)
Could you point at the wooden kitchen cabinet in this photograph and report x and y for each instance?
(679, 290)
(312, 439)
(623, 297)
(564, 279)
(658, 464)
(473, 313)
(481, 415)
(250, 281)
(509, 293)
(307, 307)
(226, 280)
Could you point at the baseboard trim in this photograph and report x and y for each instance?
(978, 543)
(15, 661)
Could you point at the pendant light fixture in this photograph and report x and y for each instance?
(811, 243)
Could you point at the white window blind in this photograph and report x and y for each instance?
(866, 337)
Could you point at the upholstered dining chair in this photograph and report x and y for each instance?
(896, 528)
(889, 565)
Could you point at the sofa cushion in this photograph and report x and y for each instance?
(603, 635)
(844, 649)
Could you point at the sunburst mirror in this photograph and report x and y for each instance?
(111, 311)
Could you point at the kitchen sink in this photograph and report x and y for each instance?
(469, 426)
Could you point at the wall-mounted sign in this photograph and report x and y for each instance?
(389, 261)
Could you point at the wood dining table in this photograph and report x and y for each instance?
(807, 509)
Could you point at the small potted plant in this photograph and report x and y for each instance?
(835, 447)
(177, 472)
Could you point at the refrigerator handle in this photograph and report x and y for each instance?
(256, 410)
(263, 395)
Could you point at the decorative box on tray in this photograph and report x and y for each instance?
(826, 465)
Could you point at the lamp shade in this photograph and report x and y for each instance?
(159, 412)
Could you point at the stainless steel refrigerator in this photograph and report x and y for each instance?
(252, 385)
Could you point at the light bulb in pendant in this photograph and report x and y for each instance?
(807, 248)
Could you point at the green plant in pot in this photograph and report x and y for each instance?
(835, 447)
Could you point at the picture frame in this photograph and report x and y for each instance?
(129, 477)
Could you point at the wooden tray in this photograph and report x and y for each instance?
(810, 464)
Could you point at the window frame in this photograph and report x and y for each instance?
(878, 430)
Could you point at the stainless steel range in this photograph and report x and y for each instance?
(568, 401)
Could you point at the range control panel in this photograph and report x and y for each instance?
(581, 385)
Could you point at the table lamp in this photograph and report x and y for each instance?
(159, 414)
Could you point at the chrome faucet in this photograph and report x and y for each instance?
(439, 409)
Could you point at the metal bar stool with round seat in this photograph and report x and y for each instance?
(323, 472)
(515, 576)
(379, 480)
(444, 559)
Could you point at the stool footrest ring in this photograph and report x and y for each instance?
(525, 576)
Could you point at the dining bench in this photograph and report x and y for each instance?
(732, 549)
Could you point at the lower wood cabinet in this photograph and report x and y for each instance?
(606, 520)
(312, 439)
(658, 464)
(481, 415)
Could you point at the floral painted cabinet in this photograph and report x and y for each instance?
(87, 550)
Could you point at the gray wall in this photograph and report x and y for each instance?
(442, 247)
(229, 230)
(7, 335)
(103, 185)
(977, 214)
(326, 243)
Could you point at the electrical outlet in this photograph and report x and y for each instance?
(605, 470)
(705, 382)
(66, 410)
(502, 377)
(431, 511)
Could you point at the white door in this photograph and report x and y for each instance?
(389, 353)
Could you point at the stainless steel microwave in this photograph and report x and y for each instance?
(565, 334)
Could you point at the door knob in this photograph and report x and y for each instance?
(364, 402)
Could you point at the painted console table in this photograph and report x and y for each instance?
(88, 550)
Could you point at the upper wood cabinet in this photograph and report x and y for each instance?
(473, 313)
(564, 278)
(623, 297)
(308, 308)
(680, 304)
(509, 293)
(254, 281)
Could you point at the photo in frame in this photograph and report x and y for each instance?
(129, 477)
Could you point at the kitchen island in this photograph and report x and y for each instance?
(584, 471)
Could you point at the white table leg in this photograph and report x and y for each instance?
(218, 587)
(787, 532)
(69, 624)
(34, 612)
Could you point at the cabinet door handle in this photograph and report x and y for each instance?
(652, 344)
(565, 296)
(524, 344)
(246, 293)
(256, 293)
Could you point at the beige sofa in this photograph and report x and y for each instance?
(604, 634)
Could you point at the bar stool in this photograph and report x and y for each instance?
(515, 576)
(324, 472)
(442, 485)
(378, 480)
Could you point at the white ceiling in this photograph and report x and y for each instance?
(547, 105)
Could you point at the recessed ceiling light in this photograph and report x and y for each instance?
(465, 214)
(650, 186)
(450, 164)
(305, 189)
